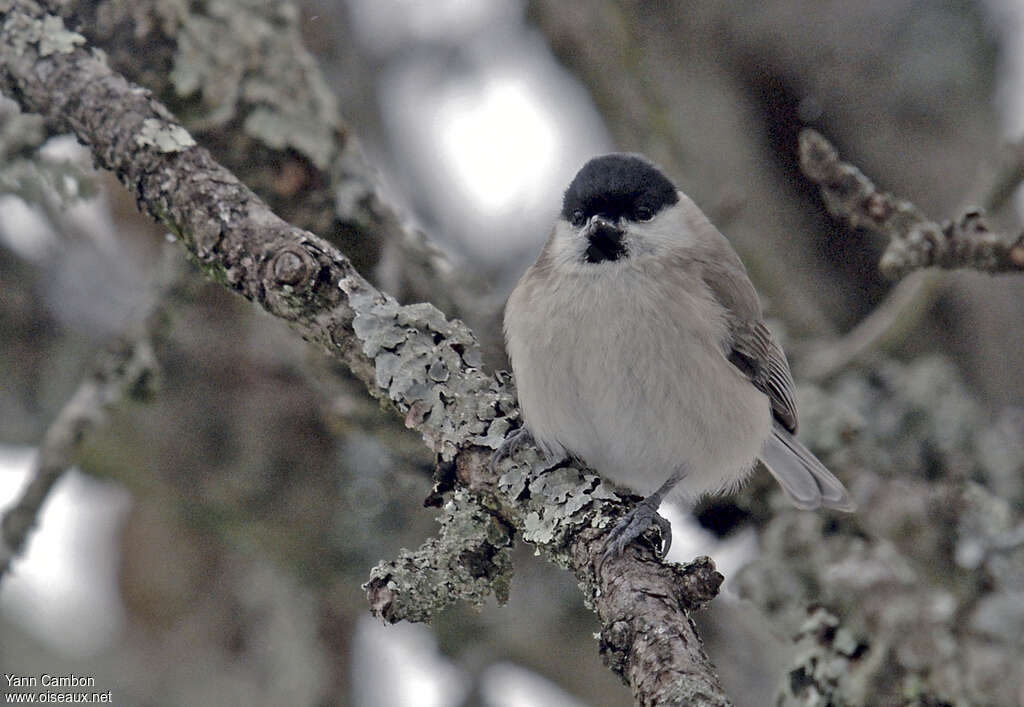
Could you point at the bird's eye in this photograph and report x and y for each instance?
(643, 213)
(577, 218)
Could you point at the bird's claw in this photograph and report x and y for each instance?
(634, 524)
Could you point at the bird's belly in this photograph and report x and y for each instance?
(637, 397)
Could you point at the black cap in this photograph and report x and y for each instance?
(618, 185)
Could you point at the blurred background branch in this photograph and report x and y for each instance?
(125, 367)
(914, 241)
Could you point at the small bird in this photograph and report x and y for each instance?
(638, 344)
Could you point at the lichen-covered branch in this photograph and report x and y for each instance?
(915, 240)
(255, 97)
(424, 366)
(645, 636)
(469, 560)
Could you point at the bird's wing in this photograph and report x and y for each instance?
(759, 356)
(753, 350)
(752, 347)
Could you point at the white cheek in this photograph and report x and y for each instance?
(567, 245)
(665, 232)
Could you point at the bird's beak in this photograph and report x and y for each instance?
(605, 240)
(599, 226)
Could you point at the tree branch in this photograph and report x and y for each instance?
(889, 322)
(908, 301)
(422, 365)
(256, 98)
(915, 241)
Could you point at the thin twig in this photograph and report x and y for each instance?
(915, 241)
(904, 305)
(1009, 173)
(886, 324)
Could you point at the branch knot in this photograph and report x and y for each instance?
(291, 266)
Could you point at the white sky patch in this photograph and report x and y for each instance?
(401, 666)
(489, 149)
(63, 588)
(497, 140)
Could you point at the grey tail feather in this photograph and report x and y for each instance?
(804, 479)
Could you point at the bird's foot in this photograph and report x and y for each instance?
(510, 446)
(634, 524)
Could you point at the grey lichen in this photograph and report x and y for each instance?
(281, 130)
(165, 137)
(264, 74)
(55, 38)
(556, 497)
(826, 655)
(468, 561)
(49, 33)
(899, 418)
(415, 349)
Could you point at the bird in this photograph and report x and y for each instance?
(638, 344)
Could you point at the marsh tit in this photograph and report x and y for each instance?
(638, 345)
